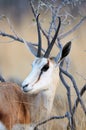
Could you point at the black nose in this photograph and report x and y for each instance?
(25, 86)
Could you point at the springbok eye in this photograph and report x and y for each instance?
(45, 67)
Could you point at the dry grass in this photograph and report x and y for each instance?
(60, 107)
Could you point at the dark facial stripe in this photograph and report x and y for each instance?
(40, 74)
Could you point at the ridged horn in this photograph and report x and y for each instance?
(46, 55)
(39, 37)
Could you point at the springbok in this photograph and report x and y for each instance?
(33, 101)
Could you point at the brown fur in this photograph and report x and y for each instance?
(13, 108)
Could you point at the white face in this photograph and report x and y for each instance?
(41, 77)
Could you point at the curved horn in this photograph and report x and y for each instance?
(39, 37)
(46, 55)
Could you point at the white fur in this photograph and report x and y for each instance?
(34, 75)
(2, 126)
(34, 84)
(23, 127)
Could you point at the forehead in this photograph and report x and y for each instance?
(40, 61)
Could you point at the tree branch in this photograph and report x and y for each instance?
(75, 87)
(18, 39)
(77, 100)
(11, 36)
(51, 118)
(71, 121)
(76, 105)
(42, 30)
(73, 29)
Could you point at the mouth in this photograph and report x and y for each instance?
(30, 91)
(26, 89)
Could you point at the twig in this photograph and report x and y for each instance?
(42, 30)
(11, 36)
(9, 23)
(81, 76)
(75, 87)
(71, 121)
(77, 100)
(73, 29)
(51, 118)
(45, 34)
(76, 105)
(18, 39)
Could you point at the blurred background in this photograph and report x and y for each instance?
(15, 59)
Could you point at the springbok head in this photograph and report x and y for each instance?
(45, 69)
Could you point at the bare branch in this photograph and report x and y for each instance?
(71, 121)
(81, 75)
(11, 36)
(9, 23)
(75, 87)
(35, 15)
(76, 105)
(33, 9)
(77, 100)
(73, 29)
(45, 34)
(51, 118)
(18, 39)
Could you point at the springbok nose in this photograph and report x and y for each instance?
(24, 86)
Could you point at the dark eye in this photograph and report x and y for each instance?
(45, 68)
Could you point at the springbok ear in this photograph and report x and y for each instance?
(32, 49)
(65, 50)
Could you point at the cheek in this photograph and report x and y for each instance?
(44, 82)
(37, 88)
(45, 79)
